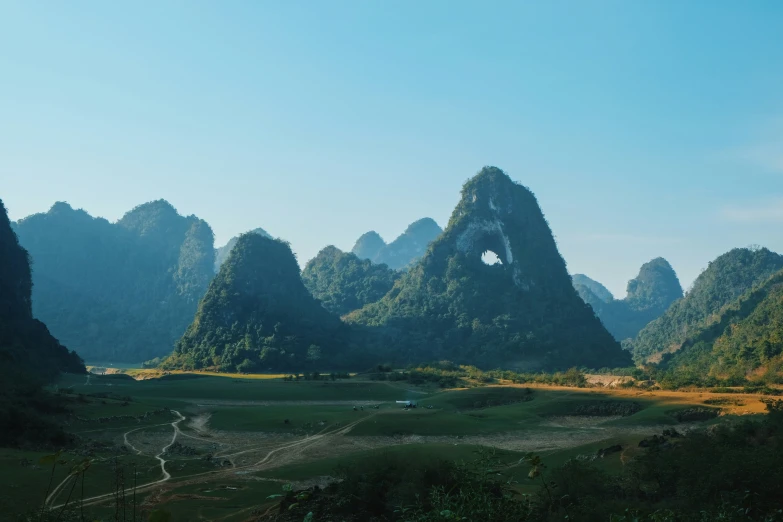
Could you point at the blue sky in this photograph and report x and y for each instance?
(645, 128)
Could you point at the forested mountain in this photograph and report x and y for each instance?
(521, 313)
(599, 290)
(403, 251)
(221, 253)
(343, 282)
(742, 338)
(120, 292)
(368, 245)
(649, 295)
(29, 355)
(258, 315)
(725, 280)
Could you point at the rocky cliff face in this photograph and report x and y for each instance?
(522, 312)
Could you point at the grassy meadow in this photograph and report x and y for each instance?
(240, 439)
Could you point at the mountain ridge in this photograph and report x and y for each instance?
(529, 313)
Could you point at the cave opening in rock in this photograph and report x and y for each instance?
(490, 258)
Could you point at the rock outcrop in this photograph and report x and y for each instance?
(522, 312)
(649, 295)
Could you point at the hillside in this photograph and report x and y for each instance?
(119, 292)
(258, 315)
(368, 245)
(221, 253)
(29, 354)
(401, 253)
(522, 313)
(648, 296)
(599, 290)
(725, 280)
(343, 282)
(745, 338)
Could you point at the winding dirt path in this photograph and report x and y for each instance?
(166, 475)
(292, 449)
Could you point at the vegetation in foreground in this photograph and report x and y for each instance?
(730, 473)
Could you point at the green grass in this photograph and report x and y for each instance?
(236, 389)
(420, 453)
(476, 411)
(24, 487)
(453, 412)
(272, 418)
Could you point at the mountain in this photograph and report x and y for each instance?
(221, 253)
(120, 292)
(599, 290)
(403, 251)
(343, 282)
(258, 315)
(656, 287)
(522, 312)
(744, 338)
(29, 354)
(368, 245)
(725, 280)
(649, 295)
(410, 245)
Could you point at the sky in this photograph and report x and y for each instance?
(645, 129)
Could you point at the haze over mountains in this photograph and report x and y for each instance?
(29, 355)
(403, 251)
(221, 253)
(127, 291)
(121, 291)
(648, 296)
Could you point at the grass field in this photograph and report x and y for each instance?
(240, 439)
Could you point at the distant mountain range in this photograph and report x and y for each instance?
(221, 253)
(648, 296)
(401, 253)
(136, 289)
(119, 292)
